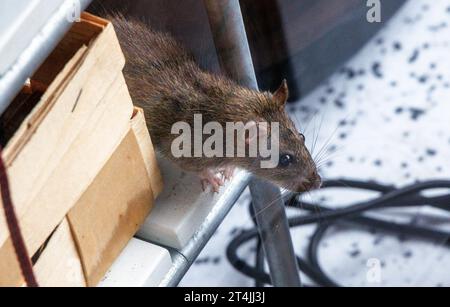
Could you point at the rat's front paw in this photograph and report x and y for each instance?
(227, 172)
(210, 177)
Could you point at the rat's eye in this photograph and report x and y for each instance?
(286, 160)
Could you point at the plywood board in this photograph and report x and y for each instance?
(148, 152)
(112, 209)
(104, 131)
(46, 135)
(60, 265)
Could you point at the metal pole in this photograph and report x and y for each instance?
(232, 47)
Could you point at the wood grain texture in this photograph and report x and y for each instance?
(78, 148)
(78, 168)
(147, 150)
(111, 210)
(60, 265)
(46, 134)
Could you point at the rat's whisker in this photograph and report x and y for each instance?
(281, 197)
(298, 123)
(322, 165)
(297, 200)
(343, 183)
(311, 118)
(322, 157)
(317, 208)
(331, 137)
(327, 158)
(327, 142)
(317, 134)
(323, 152)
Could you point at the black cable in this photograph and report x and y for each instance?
(353, 215)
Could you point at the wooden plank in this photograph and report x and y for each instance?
(23, 172)
(9, 267)
(82, 33)
(75, 172)
(145, 143)
(60, 265)
(112, 209)
(45, 136)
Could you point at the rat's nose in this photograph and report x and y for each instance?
(317, 182)
(313, 181)
(314, 174)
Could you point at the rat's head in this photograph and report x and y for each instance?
(294, 169)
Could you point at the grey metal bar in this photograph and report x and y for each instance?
(35, 54)
(274, 232)
(180, 266)
(230, 40)
(234, 55)
(183, 259)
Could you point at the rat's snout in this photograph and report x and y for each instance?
(311, 182)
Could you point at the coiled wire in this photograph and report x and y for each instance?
(354, 215)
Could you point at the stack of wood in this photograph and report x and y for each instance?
(81, 166)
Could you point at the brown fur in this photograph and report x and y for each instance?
(165, 81)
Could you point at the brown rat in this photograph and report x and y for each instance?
(165, 81)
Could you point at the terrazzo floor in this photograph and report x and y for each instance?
(385, 116)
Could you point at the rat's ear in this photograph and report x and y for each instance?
(282, 94)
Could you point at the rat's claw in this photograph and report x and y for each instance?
(208, 177)
(227, 172)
